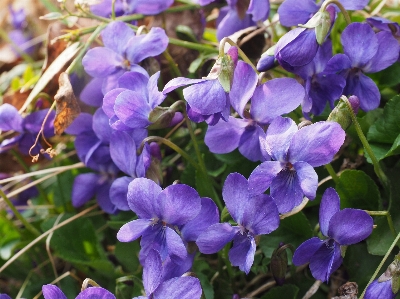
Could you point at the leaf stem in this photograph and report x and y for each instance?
(388, 217)
(342, 9)
(17, 214)
(381, 264)
(332, 173)
(377, 168)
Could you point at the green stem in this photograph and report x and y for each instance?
(332, 173)
(381, 264)
(193, 46)
(21, 162)
(172, 64)
(388, 217)
(28, 226)
(201, 161)
(377, 168)
(342, 9)
(82, 52)
(232, 43)
(113, 10)
(171, 145)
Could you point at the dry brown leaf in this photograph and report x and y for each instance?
(67, 107)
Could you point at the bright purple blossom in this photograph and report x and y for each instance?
(159, 211)
(135, 104)
(364, 52)
(206, 98)
(4, 296)
(268, 100)
(299, 46)
(291, 175)
(294, 12)
(341, 227)
(93, 149)
(157, 287)
(27, 127)
(380, 290)
(122, 52)
(255, 214)
(321, 87)
(146, 7)
(53, 292)
(239, 15)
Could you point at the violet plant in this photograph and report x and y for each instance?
(188, 173)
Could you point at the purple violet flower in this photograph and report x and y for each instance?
(206, 98)
(255, 214)
(299, 46)
(157, 287)
(364, 52)
(239, 15)
(127, 7)
(135, 104)
(294, 12)
(295, 153)
(122, 52)
(321, 87)
(4, 296)
(53, 292)
(268, 100)
(341, 227)
(159, 211)
(380, 290)
(27, 127)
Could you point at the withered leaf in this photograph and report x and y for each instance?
(67, 107)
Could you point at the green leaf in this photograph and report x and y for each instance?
(382, 237)
(357, 190)
(208, 290)
(294, 230)
(288, 291)
(126, 255)
(387, 128)
(77, 242)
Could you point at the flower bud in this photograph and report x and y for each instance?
(279, 263)
(164, 117)
(224, 68)
(267, 60)
(341, 113)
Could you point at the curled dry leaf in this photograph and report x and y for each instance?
(67, 107)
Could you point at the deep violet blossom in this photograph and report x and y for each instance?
(380, 290)
(255, 214)
(207, 98)
(122, 52)
(341, 227)
(53, 292)
(27, 128)
(364, 52)
(294, 12)
(135, 104)
(268, 100)
(239, 15)
(299, 46)
(295, 153)
(146, 7)
(157, 287)
(159, 211)
(321, 87)
(4, 296)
